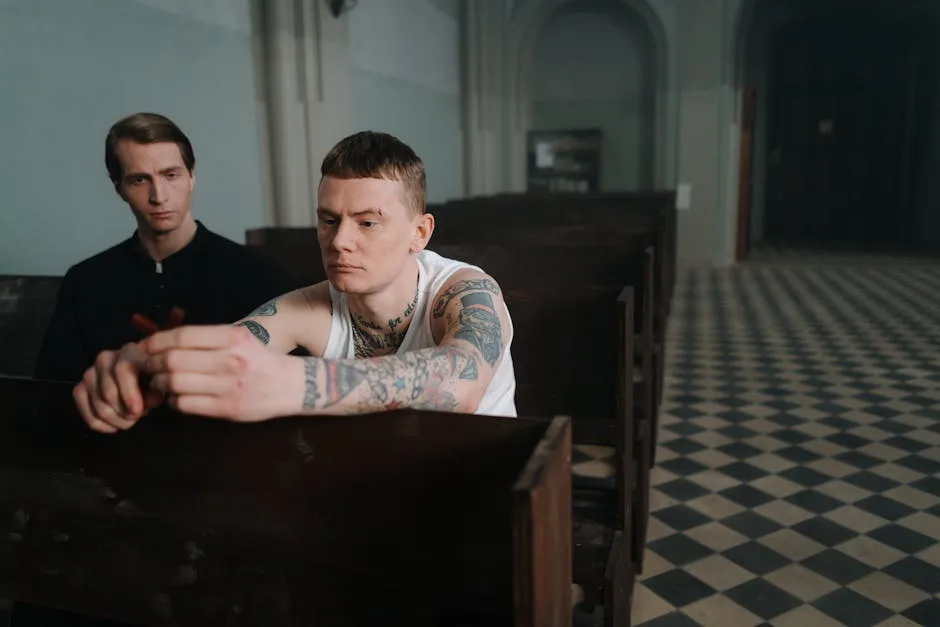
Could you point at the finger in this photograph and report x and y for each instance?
(106, 413)
(175, 318)
(202, 405)
(198, 337)
(204, 361)
(100, 381)
(194, 383)
(107, 390)
(80, 394)
(101, 427)
(144, 324)
(128, 386)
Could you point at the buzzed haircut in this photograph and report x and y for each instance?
(370, 154)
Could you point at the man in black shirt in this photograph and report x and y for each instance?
(171, 260)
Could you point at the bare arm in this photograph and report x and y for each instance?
(470, 324)
(298, 318)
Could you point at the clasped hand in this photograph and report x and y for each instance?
(216, 371)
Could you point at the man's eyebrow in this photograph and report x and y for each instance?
(372, 211)
(172, 168)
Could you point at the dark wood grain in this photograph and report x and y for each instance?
(402, 517)
(542, 515)
(26, 304)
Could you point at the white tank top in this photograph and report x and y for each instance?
(433, 271)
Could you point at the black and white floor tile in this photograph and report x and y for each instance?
(798, 474)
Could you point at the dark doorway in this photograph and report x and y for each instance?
(844, 106)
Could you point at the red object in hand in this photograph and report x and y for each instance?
(148, 327)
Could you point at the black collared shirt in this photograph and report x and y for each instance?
(213, 279)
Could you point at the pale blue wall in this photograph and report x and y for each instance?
(69, 69)
(406, 81)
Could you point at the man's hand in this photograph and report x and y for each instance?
(109, 396)
(218, 371)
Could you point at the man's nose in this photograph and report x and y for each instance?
(157, 193)
(345, 237)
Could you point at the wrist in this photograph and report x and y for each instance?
(288, 387)
(299, 385)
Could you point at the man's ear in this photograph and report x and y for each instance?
(424, 228)
(119, 191)
(192, 179)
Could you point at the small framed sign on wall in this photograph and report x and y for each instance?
(566, 161)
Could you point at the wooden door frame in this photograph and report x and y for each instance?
(745, 171)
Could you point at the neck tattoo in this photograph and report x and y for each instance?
(372, 340)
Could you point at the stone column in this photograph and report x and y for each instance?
(307, 67)
(484, 84)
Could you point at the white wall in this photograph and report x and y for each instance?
(70, 69)
(406, 81)
(594, 69)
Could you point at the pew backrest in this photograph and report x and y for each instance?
(26, 305)
(433, 518)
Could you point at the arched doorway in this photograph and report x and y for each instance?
(588, 63)
(594, 68)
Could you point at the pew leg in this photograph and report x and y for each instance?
(661, 374)
(656, 401)
(641, 494)
(618, 593)
(653, 420)
(640, 520)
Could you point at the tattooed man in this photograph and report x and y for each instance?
(395, 325)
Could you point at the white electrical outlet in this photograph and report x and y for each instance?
(684, 196)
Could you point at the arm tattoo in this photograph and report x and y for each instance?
(257, 330)
(267, 309)
(479, 325)
(429, 378)
(477, 322)
(420, 379)
(443, 300)
(470, 373)
(311, 389)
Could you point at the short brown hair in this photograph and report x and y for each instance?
(144, 128)
(370, 154)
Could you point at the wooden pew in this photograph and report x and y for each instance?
(26, 304)
(296, 249)
(573, 219)
(580, 221)
(610, 519)
(575, 328)
(622, 225)
(406, 517)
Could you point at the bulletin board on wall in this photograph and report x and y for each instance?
(564, 160)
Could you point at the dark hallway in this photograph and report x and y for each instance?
(847, 127)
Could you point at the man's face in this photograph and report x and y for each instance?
(367, 232)
(156, 185)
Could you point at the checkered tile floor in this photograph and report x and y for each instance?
(798, 475)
